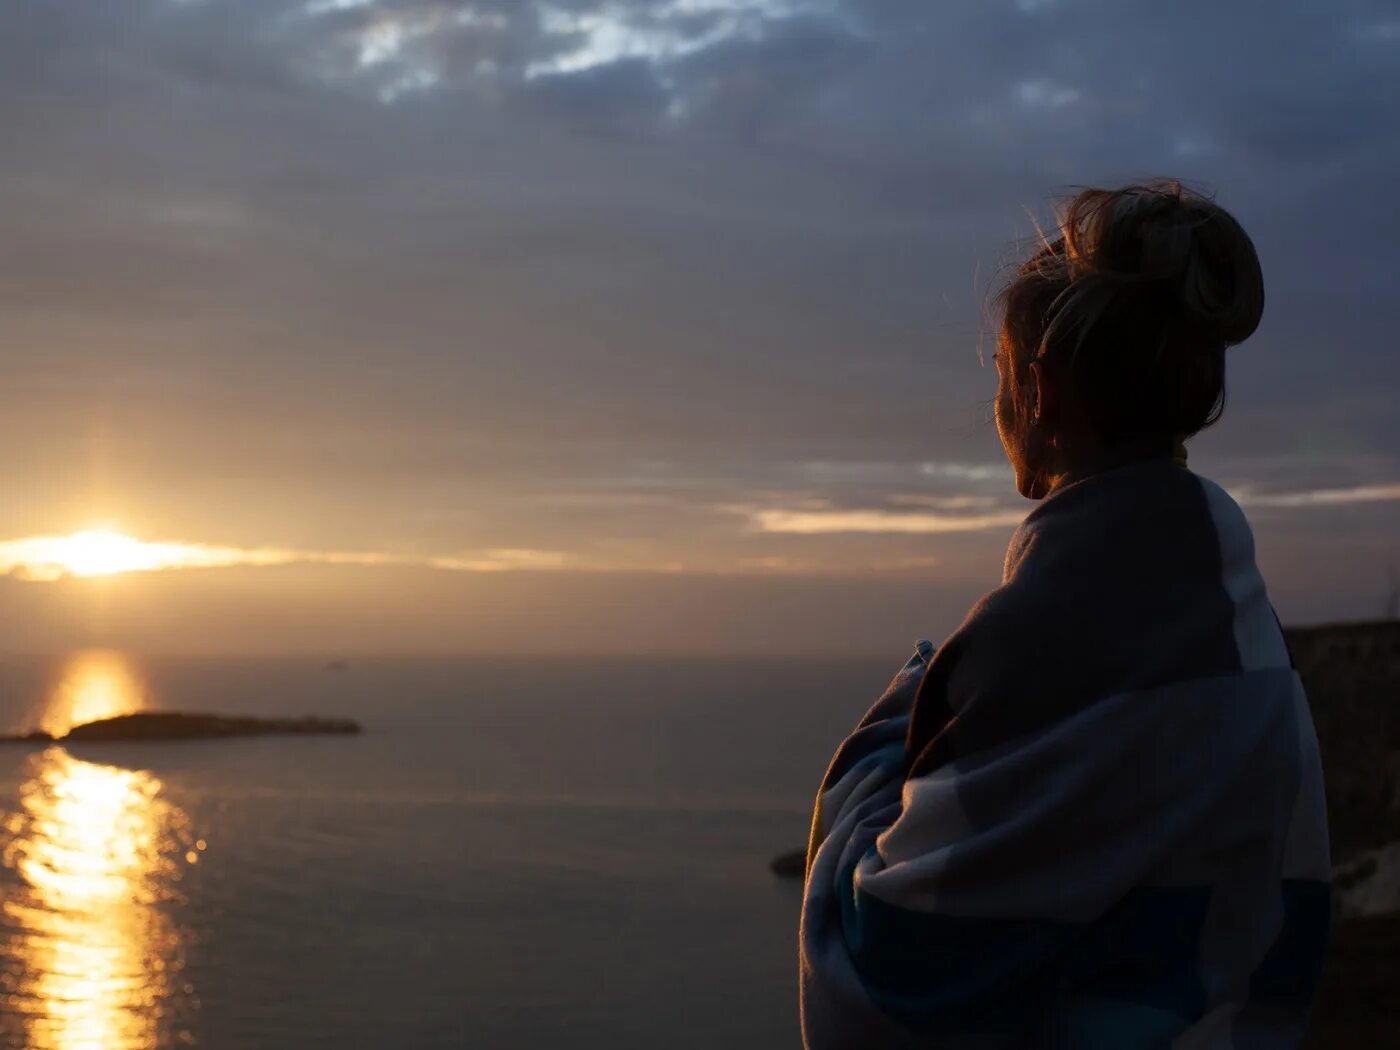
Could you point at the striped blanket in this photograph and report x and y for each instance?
(1094, 817)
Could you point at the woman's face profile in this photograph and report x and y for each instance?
(1009, 427)
(1030, 450)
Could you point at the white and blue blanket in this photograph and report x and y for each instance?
(1094, 817)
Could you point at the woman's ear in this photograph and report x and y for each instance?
(1043, 405)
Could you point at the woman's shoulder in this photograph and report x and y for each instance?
(1114, 510)
(1228, 517)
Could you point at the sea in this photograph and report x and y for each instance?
(524, 852)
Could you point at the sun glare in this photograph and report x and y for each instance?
(97, 552)
(101, 552)
(93, 684)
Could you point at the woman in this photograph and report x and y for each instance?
(1094, 817)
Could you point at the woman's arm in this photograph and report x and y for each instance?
(872, 756)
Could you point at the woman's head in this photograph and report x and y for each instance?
(1113, 334)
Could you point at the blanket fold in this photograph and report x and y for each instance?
(1094, 816)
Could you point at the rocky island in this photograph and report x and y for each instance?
(179, 725)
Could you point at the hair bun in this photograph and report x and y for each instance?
(1176, 241)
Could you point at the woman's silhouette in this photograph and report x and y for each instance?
(1094, 816)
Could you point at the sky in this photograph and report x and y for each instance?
(605, 327)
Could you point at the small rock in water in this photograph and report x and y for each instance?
(790, 865)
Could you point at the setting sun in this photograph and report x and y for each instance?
(106, 552)
(101, 552)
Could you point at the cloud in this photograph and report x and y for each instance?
(779, 565)
(878, 521)
(412, 47)
(265, 259)
(804, 521)
(1384, 493)
(504, 559)
(957, 502)
(967, 471)
(1046, 94)
(98, 552)
(658, 32)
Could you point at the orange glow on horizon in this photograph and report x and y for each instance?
(102, 552)
(91, 552)
(94, 684)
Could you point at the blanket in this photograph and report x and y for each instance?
(1094, 816)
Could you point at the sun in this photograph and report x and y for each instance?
(102, 552)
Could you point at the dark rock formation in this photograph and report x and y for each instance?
(1352, 674)
(176, 725)
(1355, 1006)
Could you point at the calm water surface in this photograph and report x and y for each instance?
(517, 853)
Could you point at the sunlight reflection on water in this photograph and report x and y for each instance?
(89, 956)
